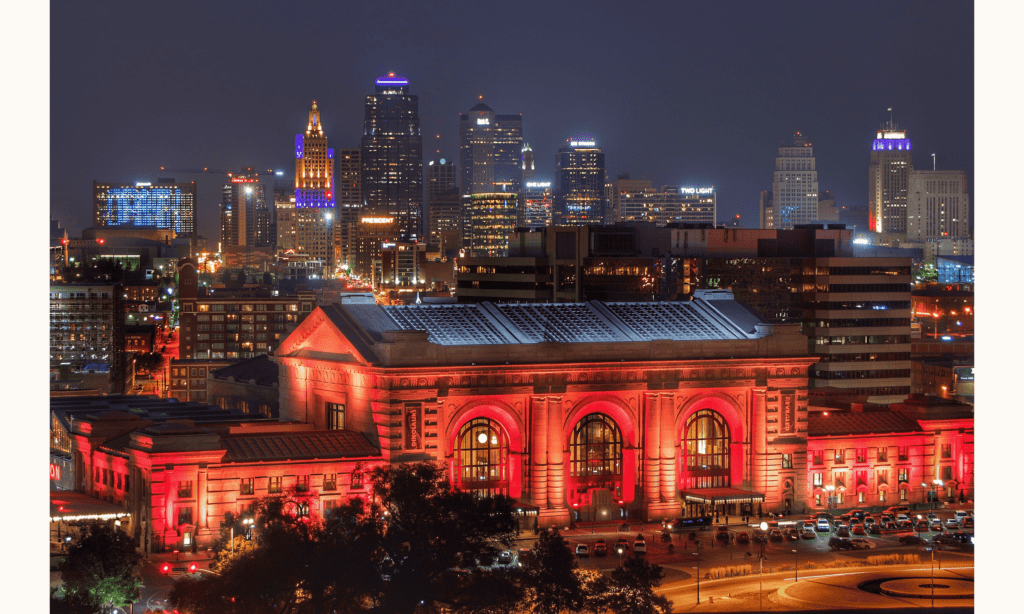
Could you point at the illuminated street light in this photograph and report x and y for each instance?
(760, 567)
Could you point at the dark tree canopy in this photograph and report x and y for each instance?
(103, 568)
(632, 588)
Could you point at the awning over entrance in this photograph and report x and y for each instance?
(715, 496)
(525, 509)
(68, 505)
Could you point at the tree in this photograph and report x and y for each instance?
(555, 584)
(632, 589)
(102, 569)
(428, 529)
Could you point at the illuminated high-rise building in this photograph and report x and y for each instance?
(244, 216)
(529, 168)
(493, 220)
(535, 204)
(314, 192)
(166, 205)
(938, 205)
(795, 185)
(490, 151)
(392, 156)
(444, 208)
(579, 184)
(888, 172)
(348, 202)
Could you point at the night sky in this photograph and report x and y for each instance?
(682, 93)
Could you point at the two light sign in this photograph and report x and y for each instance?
(698, 191)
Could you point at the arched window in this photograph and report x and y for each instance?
(707, 446)
(481, 458)
(596, 451)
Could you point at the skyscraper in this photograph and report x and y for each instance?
(535, 204)
(392, 156)
(490, 151)
(579, 184)
(348, 203)
(166, 205)
(938, 206)
(444, 210)
(244, 216)
(795, 185)
(314, 192)
(891, 163)
(529, 168)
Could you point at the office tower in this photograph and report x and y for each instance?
(490, 151)
(493, 219)
(766, 206)
(348, 202)
(285, 218)
(314, 192)
(244, 217)
(535, 204)
(166, 205)
(283, 191)
(626, 195)
(392, 156)
(444, 210)
(635, 200)
(579, 184)
(795, 185)
(891, 163)
(938, 206)
(529, 168)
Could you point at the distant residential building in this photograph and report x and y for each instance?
(403, 265)
(87, 328)
(888, 176)
(164, 205)
(233, 324)
(795, 185)
(579, 184)
(938, 205)
(827, 209)
(187, 377)
(392, 156)
(139, 338)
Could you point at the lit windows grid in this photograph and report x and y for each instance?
(169, 207)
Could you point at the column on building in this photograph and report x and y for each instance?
(669, 451)
(539, 452)
(759, 437)
(555, 446)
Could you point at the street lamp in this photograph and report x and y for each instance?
(937, 485)
(760, 566)
(619, 550)
(796, 565)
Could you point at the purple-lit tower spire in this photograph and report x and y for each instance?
(314, 193)
(888, 173)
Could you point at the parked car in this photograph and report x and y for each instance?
(843, 531)
(723, 533)
(967, 523)
(905, 525)
(809, 534)
(875, 529)
(791, 534)
(622, 543)
(760, 537)
(775, 535)
(845, 517)
(935, 525)
(910, 540)
(742, 537)
(896, 510)
(639, 547)
(505, 557)
(601, 548)
(822, 525)
(839, 543)
(951, 523)
(523, 556)
(582, 551)
(807, 526)
(921, 524)
(869, 520)
(858, 529)
(932, 515)
(858, 514)
(860, 543)
(886, 518)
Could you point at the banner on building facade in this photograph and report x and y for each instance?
(787, 399)
(413, 426)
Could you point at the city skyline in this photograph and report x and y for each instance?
(711, 117)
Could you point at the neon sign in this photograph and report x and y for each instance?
(538, 184)
(710, 190)
(483, 121)
(377, 220)
(583, 143)
(54, 472)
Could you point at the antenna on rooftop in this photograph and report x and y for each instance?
(933, 162)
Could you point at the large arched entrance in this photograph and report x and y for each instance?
(707, 445)
(595, 468)
(481, 458)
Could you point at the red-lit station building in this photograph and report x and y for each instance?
(585, 411)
